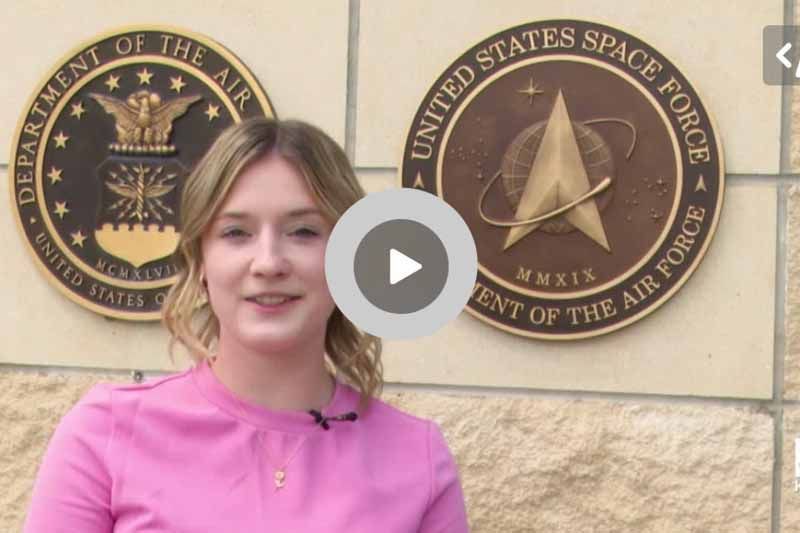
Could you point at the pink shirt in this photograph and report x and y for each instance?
(183, 454)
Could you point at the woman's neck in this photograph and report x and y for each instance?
(295, 382)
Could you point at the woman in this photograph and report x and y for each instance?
(259, 435)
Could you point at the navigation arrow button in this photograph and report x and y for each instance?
(401, 266)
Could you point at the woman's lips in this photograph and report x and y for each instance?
(272, 303)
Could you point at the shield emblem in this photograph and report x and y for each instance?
(137, 218)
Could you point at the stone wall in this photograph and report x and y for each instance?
(683, 422)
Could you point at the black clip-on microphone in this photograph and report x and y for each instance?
(323, 420)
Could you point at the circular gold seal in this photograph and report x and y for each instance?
(102, 150)
(585, 165)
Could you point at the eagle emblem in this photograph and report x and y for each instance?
(143, 121)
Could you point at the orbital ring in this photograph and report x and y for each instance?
(600, 187)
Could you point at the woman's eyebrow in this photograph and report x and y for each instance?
(236, 215)
(294, 213)
(304, 211)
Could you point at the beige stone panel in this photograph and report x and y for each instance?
(791, 370)
(31, 404)
(405, 46)
(377, 180)
(297, 50)
(713, 338)
(40, 326)
(794, 142)
(558, 465)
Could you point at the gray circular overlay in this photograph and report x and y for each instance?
(400, 205)
(371, 266)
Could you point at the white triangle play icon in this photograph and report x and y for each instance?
(401, 266)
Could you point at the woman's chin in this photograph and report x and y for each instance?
(281, 341)
(286, 334)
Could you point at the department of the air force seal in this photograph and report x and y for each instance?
(101, 152)
(586, 167)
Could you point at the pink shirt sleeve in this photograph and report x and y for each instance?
(73, 487)
(446, 512)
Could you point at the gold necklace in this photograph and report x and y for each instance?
(279, 474)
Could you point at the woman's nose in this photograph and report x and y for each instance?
(269, 258)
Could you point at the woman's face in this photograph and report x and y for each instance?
(263, 258)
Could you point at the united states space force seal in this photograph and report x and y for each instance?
(586, 167)
(101, 152)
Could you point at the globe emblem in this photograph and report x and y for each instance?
(556, 176)
(519, 157)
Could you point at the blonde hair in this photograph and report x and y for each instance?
(186, 312)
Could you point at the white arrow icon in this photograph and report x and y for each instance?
(781, 55)
(401, 266)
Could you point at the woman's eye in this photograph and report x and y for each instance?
(305, 232)
(233, 232)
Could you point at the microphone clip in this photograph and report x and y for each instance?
(322, 420)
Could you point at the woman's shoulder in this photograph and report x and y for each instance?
(414, 447)
(109, 398)
(400, 428)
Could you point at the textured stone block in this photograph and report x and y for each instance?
(527, 464)
(405, 46)
(297, 50)
(31, 404)
(790, 500)
(559, 465)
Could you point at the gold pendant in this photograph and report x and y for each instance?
(280, 479)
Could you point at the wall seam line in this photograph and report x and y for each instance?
(781, 177)
(778, 362)
(778, 374)
(352, 80)
(543, 394)
(763, 404)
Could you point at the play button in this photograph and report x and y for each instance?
(391, 280)
(401, 266)
(400, 263)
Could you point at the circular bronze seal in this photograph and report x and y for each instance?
(101, 153)
(586, 166)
